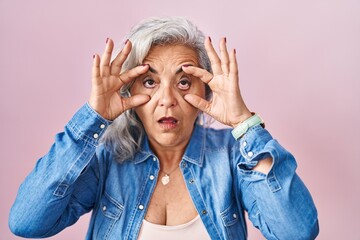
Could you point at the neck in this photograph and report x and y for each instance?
(169, 157)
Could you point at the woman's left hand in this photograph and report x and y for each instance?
(226, 105)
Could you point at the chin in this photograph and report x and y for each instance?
(170, 139)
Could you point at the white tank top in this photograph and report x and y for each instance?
(194, 229)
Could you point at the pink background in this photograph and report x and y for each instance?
(299, 64)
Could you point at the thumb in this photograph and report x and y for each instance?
(198, 102)
(135, 101)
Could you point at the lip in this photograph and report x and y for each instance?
(168, 122)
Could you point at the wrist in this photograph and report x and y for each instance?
(242, 119)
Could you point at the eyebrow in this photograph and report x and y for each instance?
(177, 71)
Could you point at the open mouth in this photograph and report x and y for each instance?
(168, 123)
(168, 120)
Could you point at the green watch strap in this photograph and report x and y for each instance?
(242, 128)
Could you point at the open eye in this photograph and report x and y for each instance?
(149, 83)
(184, 84)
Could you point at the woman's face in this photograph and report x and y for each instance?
(167, 118)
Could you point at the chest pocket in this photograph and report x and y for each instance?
(233, 222)
(107, 215)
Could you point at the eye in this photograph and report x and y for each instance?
(149, 83)
(184, 84)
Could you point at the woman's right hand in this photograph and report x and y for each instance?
(105, 96)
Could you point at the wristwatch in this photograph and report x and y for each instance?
(243, 127)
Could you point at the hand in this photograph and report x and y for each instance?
(105, 97)
(226, 105)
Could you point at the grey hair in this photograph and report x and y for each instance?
(124, 135)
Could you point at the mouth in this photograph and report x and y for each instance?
(168, 122)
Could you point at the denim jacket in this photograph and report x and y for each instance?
(79, 175)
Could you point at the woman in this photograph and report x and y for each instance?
(147, 168)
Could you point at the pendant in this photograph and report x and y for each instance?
(165, 179)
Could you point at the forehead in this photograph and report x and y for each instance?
(172, 54)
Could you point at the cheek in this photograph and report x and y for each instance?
(189, 111)
(142, 113)
(137, 88)
(198, 88)
(146, 112)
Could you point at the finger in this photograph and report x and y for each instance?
(135, 101)
(106, 57)
(198, 102)
(234, 72)
(224, 56)
(117, 63)
(204, 75)
(214, 59)
(95, 69)
(133, 73)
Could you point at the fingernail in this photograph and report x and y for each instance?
(186, 65)
(107, 39)
(93, 56)
(209, 38)
(144, 65)
(234, 51)
(225, 39)
(126, 41)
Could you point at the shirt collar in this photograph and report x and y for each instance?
(194, 152)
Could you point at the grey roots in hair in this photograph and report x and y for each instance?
(123, 137)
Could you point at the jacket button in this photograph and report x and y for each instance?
(204, 212)
(152, 177)
(141, 207)
(96, 135)
(104, 208)
(102, 126)
(191, 181)
(250, 154)
(244, 144)
(183, 164)
(234, 215)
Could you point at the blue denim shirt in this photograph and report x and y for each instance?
(79, 175)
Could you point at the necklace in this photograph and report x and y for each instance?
(166, 178)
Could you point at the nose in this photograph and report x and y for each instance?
(167, 97)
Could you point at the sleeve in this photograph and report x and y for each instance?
(64, 183)
(278, 203)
